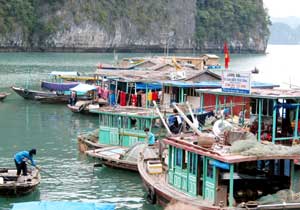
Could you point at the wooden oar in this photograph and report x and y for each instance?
(45, 172)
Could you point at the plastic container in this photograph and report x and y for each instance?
(154, 167)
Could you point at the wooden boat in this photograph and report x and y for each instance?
(11, 185)
(3, 96)
(255, 71)
(118, 157)
(85, 106)
(120, 126)
(231, 173)
(32, 94)
(215, 179)
(45, 96)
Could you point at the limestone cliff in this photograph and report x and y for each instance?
(127, 25)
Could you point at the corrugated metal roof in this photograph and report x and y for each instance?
(259, 93)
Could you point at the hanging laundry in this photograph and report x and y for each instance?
(155, 96)
(105, 93)
(112, 99)
(122, 98)
(134, 100)
(149, 96)
(139, 100)
(143, 100)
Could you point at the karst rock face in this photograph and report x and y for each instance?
(140, 25)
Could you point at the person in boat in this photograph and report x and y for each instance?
(175, 122)
(73, 98)
(21, 158)
(151, 137)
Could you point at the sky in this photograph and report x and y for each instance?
(283, 8)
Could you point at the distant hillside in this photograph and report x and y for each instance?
(285, 31)
(133, 25)
(293, 22)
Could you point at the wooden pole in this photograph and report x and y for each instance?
(187, 120)
(195, 122)
(162, 118)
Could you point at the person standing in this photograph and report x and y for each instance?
(21, 158)
(175, 122)
(151, 137)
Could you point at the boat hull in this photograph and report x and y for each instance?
(85, 144)
(31, 94)
(119, 165)
(109, 157)
(11, 185)
(44, 96)
(155, 195)
(3, 96)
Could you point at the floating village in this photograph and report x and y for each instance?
(197, 133)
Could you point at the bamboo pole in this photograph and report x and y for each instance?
(195, 122)
(187, 120)
(162, 118)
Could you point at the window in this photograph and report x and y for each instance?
(170, 156)
(104, 120)
(178, 157)
(209, 171)
(192, 163)
(143, 123)
(267, 107)
(184, 159)
(115, 121)
(133, 122)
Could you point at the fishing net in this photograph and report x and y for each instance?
(91, 136)
(133, 153)
(279, 197)
(254, 148)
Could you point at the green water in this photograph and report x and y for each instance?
(53, 129)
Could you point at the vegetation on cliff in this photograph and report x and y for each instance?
(221, 20)
(36, 21)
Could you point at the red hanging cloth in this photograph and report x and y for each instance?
(226, 55)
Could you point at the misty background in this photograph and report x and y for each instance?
(285, 30)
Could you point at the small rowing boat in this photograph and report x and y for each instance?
(11, 185)
(118, 157)
(3, 96)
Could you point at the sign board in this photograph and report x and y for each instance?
(236, 82)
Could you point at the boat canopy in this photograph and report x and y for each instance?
(149, 86)
(213, 84)
(64, 73)
(58, 86)
(83, 88)
(65, 205)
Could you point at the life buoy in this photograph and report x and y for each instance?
(151, 196)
